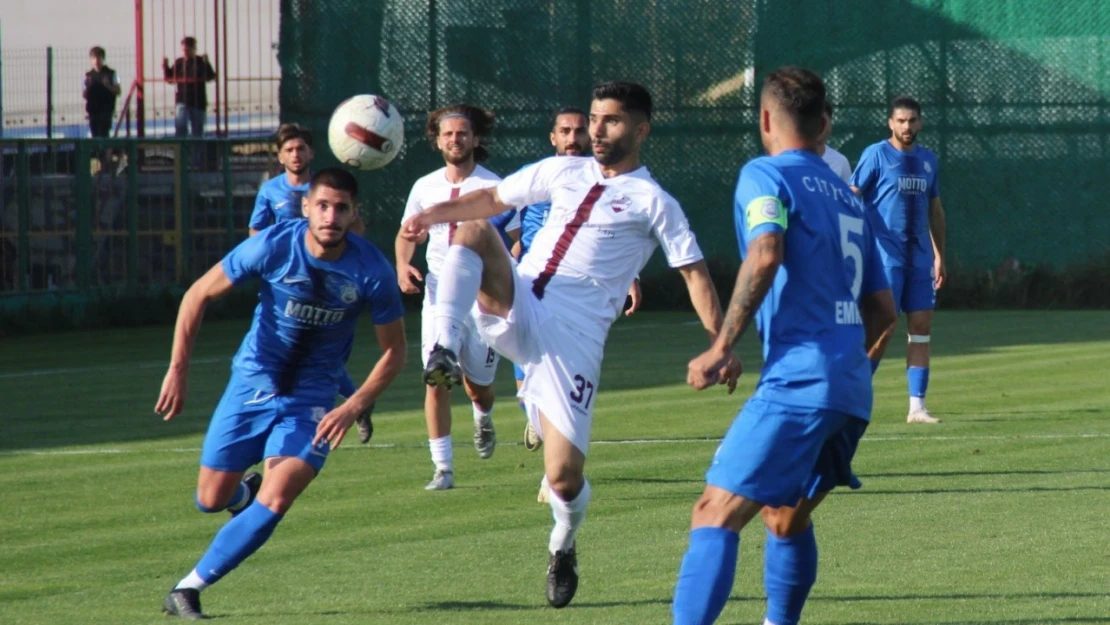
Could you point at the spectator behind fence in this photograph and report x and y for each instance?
(190, 73)
(100, 90)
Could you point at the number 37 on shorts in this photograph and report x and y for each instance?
(583, 394)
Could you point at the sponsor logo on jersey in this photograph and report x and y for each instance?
(313, 315)
(912, 185)
(847, 313)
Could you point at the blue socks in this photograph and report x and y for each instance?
(918, 378)
(706, 575)
(346, 386)
(236, 541)
(789, 571)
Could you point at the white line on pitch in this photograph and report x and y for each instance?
(641, 441)
(103, 368)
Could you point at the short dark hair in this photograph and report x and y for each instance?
(828, 108)
(189, 41)
(481, 124)
(800, 93)
(336, 178)
(98, 52)
(288, 132)
(568, 110)
(633, 97)
(905, 102)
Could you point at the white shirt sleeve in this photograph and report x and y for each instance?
(412, 206)
(672, 230)
(529, 185)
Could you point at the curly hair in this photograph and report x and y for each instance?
(481, 123)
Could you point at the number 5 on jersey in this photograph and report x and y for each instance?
(850, 249)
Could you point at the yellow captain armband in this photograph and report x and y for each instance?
(765, 209)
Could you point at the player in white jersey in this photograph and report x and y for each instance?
(456, 132)
(552, 312)
(835, 160)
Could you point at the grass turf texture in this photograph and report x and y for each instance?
(997, 516)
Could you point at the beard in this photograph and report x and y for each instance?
(458, 158)
(614, 152)
(908, 138)
(298, 170)
(329, 244)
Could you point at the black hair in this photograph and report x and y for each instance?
(828, 108)
(97, 51)
(905, 102)
(800, 93)
(567, 110)
(288, 132)
(634, 97)
(335, 178)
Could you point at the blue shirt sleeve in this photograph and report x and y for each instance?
(758, 205)
(874, 276)
(863, 178)
(934, 187)
(263, 213)
(249, 258)
(383, 295)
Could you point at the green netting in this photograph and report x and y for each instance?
(1014, 95)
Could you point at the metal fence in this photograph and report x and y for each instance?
(122, 215)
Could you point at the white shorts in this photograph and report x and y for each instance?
(478, 360)
(562, 366)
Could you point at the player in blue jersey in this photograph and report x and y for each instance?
(570, 137)
(813, 282)
(900, 182)
(315, 280)
(279, 199)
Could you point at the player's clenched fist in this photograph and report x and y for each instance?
(715, 366)
(407, 277)
(415, 227)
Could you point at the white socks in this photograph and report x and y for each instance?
(917, 403)
(480, 414)
(192, 580)
(443, 455)
(569, 515)
(458, 289)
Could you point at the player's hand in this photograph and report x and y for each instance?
(940, 273)
(706, 370)
(171, 400)
(407, 277)
(636, 296)
(333, 427)
(415, 227)
(730, 372)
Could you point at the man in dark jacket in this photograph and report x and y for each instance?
(100, 90)
(190, 73)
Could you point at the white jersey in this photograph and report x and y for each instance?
(838, 163)
(598, 236)
(434, 189)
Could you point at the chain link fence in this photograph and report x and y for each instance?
(1014, 95)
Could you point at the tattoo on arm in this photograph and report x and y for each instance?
(757, 273)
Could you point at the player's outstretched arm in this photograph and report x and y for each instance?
(212, 285)
(391, 339)
(726, 368)
(937, 231)
(478, 204)
(754, 279)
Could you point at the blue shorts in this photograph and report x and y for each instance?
(518, 372)
(913, 288)
(776, 454)
(250, 425)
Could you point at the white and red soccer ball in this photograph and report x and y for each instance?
(366, 132)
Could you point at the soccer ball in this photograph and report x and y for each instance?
(366, 132)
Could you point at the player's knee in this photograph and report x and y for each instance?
(209, 501)
(472, 233)
(566, 482)
(784, 522)
(481, 395)
(278, 503)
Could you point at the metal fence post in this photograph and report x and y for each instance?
(23, 205)
(49, 92)
(228, 198)
(185, 215)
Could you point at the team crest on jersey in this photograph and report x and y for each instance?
(621, 203)
(928, 168)
(349, 294)
(318, 413)
(770, 208)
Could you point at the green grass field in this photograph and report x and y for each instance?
(997, 516)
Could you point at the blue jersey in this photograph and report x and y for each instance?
(532, 218)
(501, 221)
(304, 323)
(900, 185)
(277, 201)
(810, 324)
